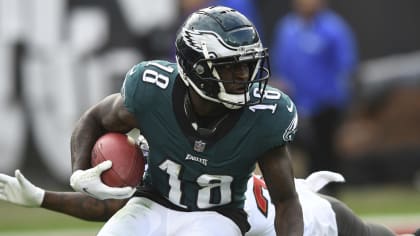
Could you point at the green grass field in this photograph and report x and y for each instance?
(391, 199)
(396, 206)
(18, 221)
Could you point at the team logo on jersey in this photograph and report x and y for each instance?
(200, 160)
(290, 132)
(199, 146)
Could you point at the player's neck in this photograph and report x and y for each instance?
(204, 108)
(203, 113)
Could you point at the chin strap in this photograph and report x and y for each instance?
(236, 98)
(223, 95)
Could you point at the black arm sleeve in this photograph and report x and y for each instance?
(349, 224)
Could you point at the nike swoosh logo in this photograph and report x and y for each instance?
(290, 107)
(86, 191)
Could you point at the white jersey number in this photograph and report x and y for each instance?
(154, 77)
(268, 94)
(209, 185)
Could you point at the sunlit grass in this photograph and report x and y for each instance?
(391, 199)
(14, 218)
(365, 201)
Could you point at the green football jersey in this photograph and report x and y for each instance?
(192, 170)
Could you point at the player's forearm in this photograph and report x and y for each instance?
(81, 206)
(84, 136)
(289, 218)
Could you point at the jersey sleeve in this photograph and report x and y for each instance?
(139, 91)
(284, 125)
(148, 84)
(130, 87)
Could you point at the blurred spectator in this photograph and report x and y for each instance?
(313, 57)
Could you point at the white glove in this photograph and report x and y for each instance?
(18, 190)
(89, 182)
(317, 180)
(143, 144)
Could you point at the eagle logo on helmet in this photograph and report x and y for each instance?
(213, 42)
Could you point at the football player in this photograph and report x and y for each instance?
(209, 119)
(323, 215)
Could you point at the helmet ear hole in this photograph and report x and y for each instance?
(200, 69)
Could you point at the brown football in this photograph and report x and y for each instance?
(127, 160)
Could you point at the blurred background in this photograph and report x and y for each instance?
(58, 57)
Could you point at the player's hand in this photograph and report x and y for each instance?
(89, 182)
(18, 190)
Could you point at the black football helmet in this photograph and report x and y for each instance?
(220, 36)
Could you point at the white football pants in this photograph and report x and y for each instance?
(318, 215)
(141, 217)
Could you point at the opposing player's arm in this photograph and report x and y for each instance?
(20, 191)
(277, 170)
(81, 206)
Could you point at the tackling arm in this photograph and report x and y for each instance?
(278, 174)
(20, 191)
(81, 206)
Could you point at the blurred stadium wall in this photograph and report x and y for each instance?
(57, 57)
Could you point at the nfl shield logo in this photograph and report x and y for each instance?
(199, 146)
